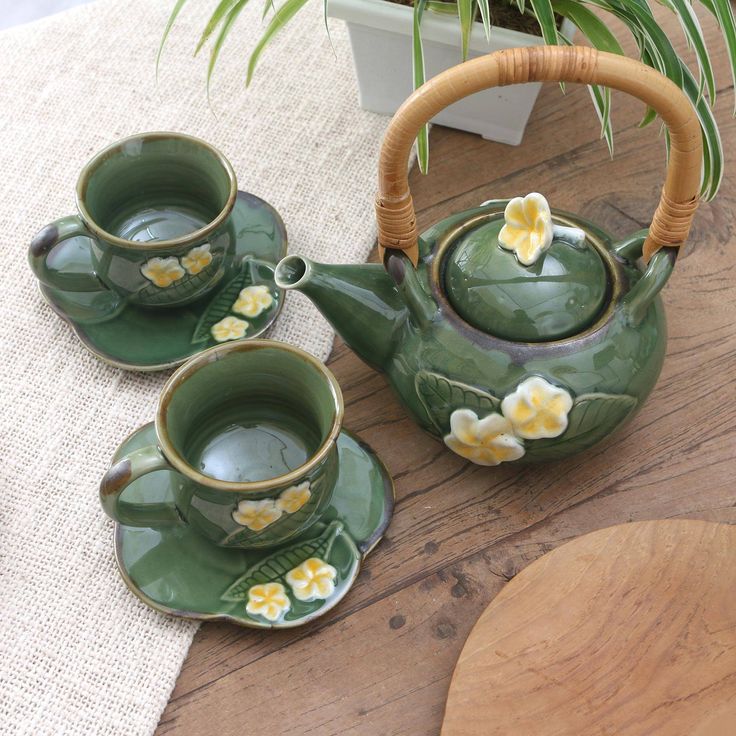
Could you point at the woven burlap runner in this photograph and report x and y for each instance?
(78, 653)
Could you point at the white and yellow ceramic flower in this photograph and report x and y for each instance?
(537, 409)
(313, 579)
(253, 300)
(268, 600)
(197, 259)
(487, 441)
(229, 328)
(162, 272)
(292, 499)
(528, 230)
(257, 515)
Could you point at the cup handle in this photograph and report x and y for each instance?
(119, 476)
(43, 245)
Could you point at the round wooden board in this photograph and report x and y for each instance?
(628, 630)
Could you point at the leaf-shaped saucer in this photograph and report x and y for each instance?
(176, 571)
(141, 339)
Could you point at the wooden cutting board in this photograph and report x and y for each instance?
(628, 630)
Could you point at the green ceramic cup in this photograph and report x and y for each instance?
(156, 209)
(250, 428)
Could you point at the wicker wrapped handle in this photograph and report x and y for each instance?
(673, 217)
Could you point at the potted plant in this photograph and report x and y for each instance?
(392, 38)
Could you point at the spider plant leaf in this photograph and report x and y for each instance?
(694, 34)
(418, 71)
(442, 8)
(542, 9)
(169, 24)
(465, 11)
(723, 11)
(282, 16)
(485, 17)
(227, 24)
(268, 5)
(601, 96)
(649, 117)
(223, 7)
(712, 145)
(594, 29)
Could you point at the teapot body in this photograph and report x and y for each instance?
(494, 400)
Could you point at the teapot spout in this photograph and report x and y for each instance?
(359, 301)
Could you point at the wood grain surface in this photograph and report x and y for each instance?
(629, 630)
(381, 661)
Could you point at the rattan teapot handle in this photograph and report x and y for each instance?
(673, 217)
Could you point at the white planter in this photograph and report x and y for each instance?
(381, 39)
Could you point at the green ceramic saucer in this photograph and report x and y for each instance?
(176, 571)
(143, 339)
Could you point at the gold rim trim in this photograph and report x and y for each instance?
(449, 238)
(97, 159)
(217, 353)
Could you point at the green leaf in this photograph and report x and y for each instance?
(218, 14)
(441, 8)
(418, 70)
(546, 18)
(440, 397)
(723, 12)
(465, 11)
(592, 418)
(485, 17)
(232, 16)
(275, 567)
(595, 30)
(169, 24)
(220, 305)
(712, 145)
(282, 16)
(694, 34)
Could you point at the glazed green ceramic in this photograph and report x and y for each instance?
(156, 208)
(177, 571)
(250, 430)
(524, 350)
(141, 338)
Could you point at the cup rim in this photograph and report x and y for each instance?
(91, 165)
(217, 353)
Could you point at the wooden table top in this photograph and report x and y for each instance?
(381, 661)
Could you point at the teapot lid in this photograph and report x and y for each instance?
(522, 277)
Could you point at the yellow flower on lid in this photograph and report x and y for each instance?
(268, 600)
(256, 515)
(487, 441)
(528, 230)
(162, 272)
(229, 328)
(313, 579)
(197, 259)
(292, 499)
(253, 300)
(537, 409)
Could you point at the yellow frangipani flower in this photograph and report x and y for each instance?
(313, 579)
(487, 441)
(537, 409)
(229, 328)
(528, 230)
(292, 499)
(268, 600)
(253, 300)
(162, 272)
(197, 259)
(256, 515)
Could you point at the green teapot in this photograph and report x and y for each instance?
(513, 332)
